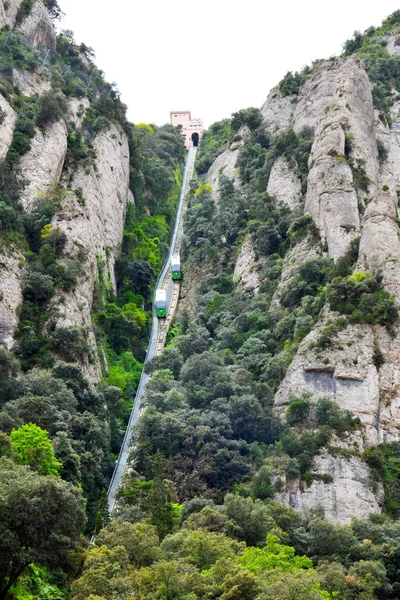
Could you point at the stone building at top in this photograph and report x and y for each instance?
(191, 128)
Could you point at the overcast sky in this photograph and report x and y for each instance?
(212, 57)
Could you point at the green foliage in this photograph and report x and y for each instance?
(328, 412)
(33, 447)
(298, 409)
(382, 68)
(160, 500)
(36, 582)
(51, 109)
(47, 270)
(329, 332)
(300, 228)
(140, 541)
(122, 325)
(53, 8)
(24, 10)
(292, 82)
(309, 280)
(384, 460)
(259, 153)
(214, 140)
(273, 556)
(250, 117)
(379, 357)
(362, 298)
(41, 521)
(125, 373)
(24, 129)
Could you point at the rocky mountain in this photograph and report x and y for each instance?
(350, 191)
(87, 201)
(95, 227)
(266, 460)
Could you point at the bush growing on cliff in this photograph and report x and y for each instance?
(292, 82)
(258, 155)
(298, 409)
(24, 10)
(382, 68)
(213, 142)
(362, 298)
(384, 461)
(51, 109)
(328, 412)
(250, 117)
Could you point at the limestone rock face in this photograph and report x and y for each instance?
(11, 262)
(348, 495)
(224, 164)
(42, 166)
(38, 28)
(284, 183)
(8, 12)
(301, 252)
(246, 268)
(343, 372)
(94, 225)
(393, 43)
(30, 82)
(277, 111)
(6, 126)
(336, 101)
(77, 108)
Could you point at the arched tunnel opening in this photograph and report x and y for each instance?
(195, 138)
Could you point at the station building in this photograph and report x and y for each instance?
(192, 129)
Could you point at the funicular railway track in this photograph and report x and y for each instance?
(158, 332)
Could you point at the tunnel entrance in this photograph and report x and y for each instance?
(195, 139)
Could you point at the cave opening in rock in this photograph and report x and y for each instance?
(195, 138)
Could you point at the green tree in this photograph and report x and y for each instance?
(41, 519)
(250, 517)
(160, 499)
(34, 448)
(103, 574)
(297, 585)
(140, 540)
(273, 556)
(200, 548)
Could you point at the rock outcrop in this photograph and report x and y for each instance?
(352, 191)
(277, 111)
(93, 223)
(284, 183)
(11, 264)
(77, 108)
(8, 12)
(30, 82)
(346, 493)
(94, 200)
(337, 102)
(246, 273)
(225, 164)
(42, 165)
(7, 122)
(38, 28)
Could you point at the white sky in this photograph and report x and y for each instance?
(212, 57)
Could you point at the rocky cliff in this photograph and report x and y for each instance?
(92, 222)
(351, 191)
